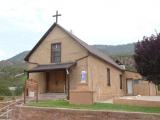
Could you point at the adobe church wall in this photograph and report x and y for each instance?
(129, 75)
(75, 76)
(70, 52)
(143, 88)
(80, 93)
(41, 78)
(152, 89)
(97, 73)
(70, 49)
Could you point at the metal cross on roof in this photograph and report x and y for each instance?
(56, 16)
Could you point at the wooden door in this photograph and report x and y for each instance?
(56, 81)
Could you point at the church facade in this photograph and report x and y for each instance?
(62, 63)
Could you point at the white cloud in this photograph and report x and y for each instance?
(3, 55)
(95, 21)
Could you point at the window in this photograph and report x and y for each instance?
(108, 77)
(56, 53)
(83, 76)
(120, 77)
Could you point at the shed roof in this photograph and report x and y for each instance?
(90, 49)
(48, 67)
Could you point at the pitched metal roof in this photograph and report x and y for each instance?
(90, 49)
(48, 67)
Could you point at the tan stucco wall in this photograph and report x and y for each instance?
(80, 93)
(97, 75)
(75, 76)
(41, 78)
(141, 89)
(70, 49)
(96, 69)
(144, 88)
(81, 97)
(70, 52)
(153, 89)
(129, 75)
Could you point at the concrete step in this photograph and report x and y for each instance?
(52, 96)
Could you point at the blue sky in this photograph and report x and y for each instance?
(110, 22)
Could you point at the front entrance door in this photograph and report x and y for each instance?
(56, 82)
(130, 87)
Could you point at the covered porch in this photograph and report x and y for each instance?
(53, 80)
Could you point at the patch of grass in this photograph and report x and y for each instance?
(96, 106)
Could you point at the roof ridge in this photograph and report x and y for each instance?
(89, 48)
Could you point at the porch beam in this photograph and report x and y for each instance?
(67, 83)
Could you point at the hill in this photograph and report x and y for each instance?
(113, 50)
(17, 60)
(19, 57)
(8, 70)
(11, 67)
(121, 52)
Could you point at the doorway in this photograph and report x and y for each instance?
(130, 87)
(56, 81)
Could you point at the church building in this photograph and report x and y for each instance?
(62, 63)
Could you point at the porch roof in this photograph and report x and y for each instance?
(48, 67)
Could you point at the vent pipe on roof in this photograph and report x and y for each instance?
(71, 31)
(123, 67)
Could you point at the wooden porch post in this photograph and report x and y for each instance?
(67, 83)
(68, 87)
(25, 92)
(47, 81)
(25, 87)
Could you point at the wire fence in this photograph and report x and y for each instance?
(6, 91)
(11, 86)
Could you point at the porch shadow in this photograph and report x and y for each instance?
(52, 96)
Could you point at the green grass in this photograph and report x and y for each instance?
(96, 106)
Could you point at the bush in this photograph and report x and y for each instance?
(1, 98)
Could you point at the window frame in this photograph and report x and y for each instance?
(121, 81)
(108, 77)
(83, 79)
(52, 52)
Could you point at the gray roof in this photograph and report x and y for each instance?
(93, 50)
(48, 67)
(90, 49)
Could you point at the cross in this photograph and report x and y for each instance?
(56, 16)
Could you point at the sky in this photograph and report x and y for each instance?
(109, 22)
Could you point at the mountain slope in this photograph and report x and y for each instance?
(123, 53)
(16, 61)
(19, 58)
(126, 49)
